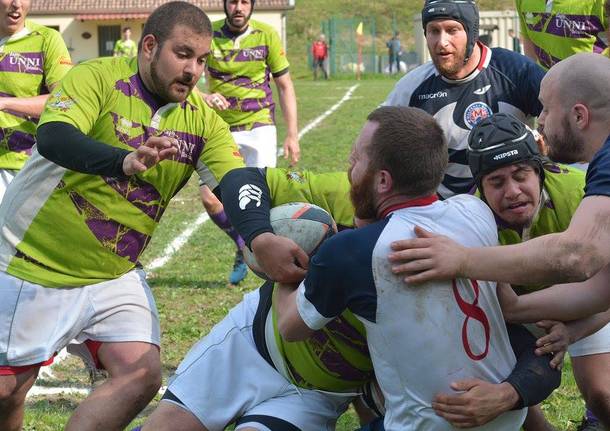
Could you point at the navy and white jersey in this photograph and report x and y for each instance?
(420, 338)
(504, 81)
(598, 174)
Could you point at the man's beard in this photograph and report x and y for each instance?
(567, 147)
(453, 69)
(246, 20)
(362, 196)
(161, 90)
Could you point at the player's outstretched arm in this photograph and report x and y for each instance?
(246, 199)
(288, 102)
(563, 302)
(30, 106)
(70, 148)
(573, 255)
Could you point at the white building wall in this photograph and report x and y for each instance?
(505, 20)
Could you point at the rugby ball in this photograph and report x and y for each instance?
(306, 224)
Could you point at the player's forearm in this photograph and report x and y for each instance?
(288, 102)
(532, 378)
(549, 259)
(289, 322)
(70, 148)
(564, 302)
(246, 199)
(30, 106)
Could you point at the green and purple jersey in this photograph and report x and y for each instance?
(561, 28)
(240, 67)
(31, 61)
(562, 192)
(64, 228)
(125, 48)
(335, 358)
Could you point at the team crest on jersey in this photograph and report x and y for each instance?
(295, 176)
(61, 102)
(476, 112)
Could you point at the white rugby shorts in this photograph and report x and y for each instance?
(598, 342)
(258, 146)
(36, 322)
(224, 378)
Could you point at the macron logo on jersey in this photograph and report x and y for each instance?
(249, 193)
(436, 95)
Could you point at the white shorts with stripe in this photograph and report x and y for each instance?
(36, 322)
(224, 379)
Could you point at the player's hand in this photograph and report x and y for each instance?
(292, 149)
(155, 149)
(427, 257)
(555, 342)
(476, 403)
(280, 258)
(2, 104)
(216, 101)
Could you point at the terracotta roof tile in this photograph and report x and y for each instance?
(69, 7)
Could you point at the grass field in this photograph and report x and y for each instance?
(191, 289)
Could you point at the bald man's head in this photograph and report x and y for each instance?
(583, 78)
(575, 94)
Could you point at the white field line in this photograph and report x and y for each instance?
(177, 243)
(38, 391)
(316, 122)
(173, 247)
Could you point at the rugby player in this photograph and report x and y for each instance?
(117, 140)
(245, 55)
(33, 58)
(394, 177)
(465, 82)
(576, 98)
(245, 371)
(552, 31)
(530, 197)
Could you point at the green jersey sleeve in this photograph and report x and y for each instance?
(329, 191)
(276, 58)
(57, 59)
(78, 99)
(220, 153)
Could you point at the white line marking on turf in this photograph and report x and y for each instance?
(177, 244)
(316, 122)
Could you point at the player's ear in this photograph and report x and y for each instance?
(384, 182)
(149, 46)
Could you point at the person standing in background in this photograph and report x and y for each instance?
(516, 41)
(125, 47)
(319, 50)
(394, 50)
(245, 55)
(24, 90)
